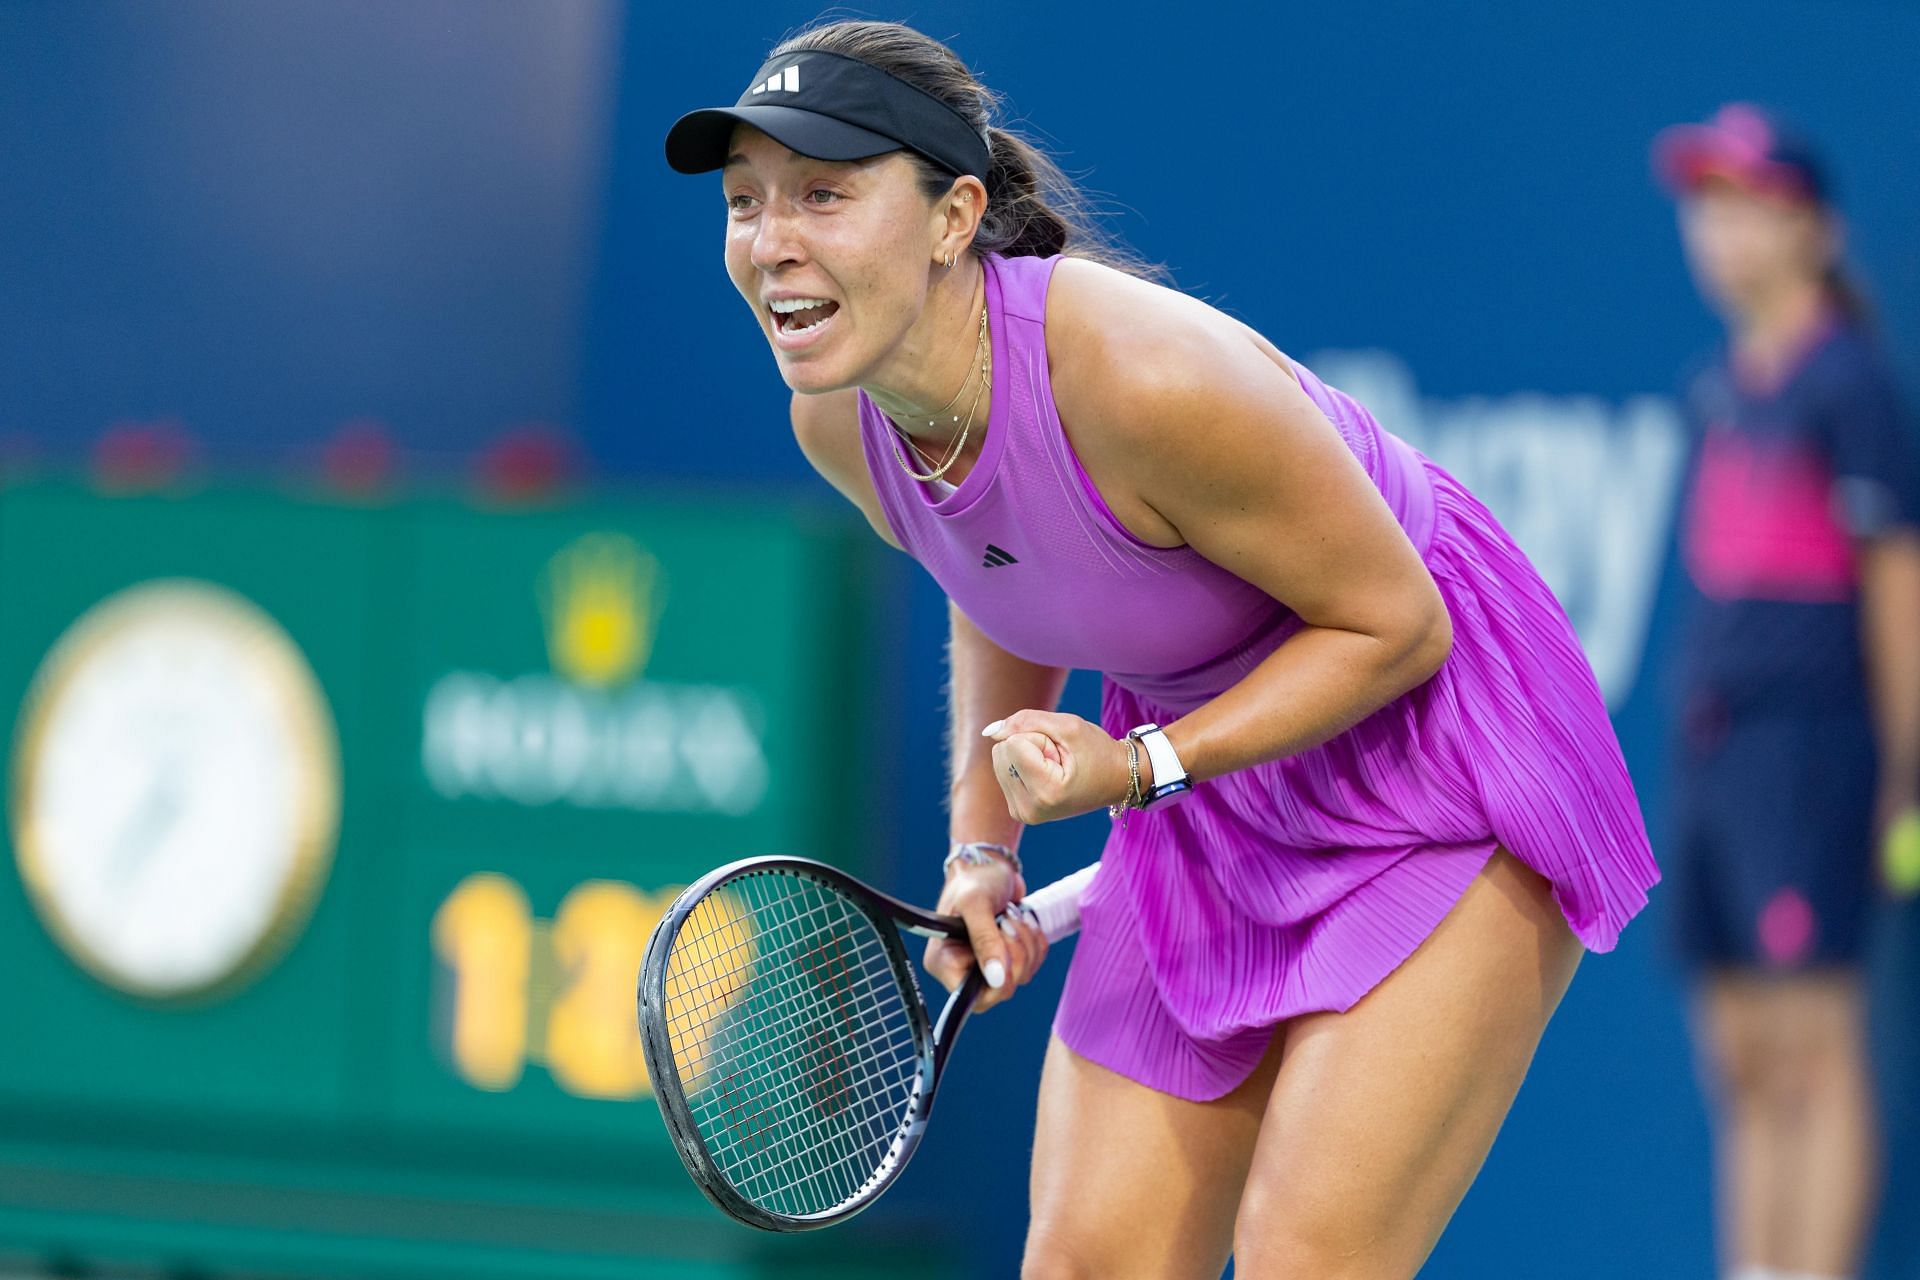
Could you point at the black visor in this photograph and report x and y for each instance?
(831, 108)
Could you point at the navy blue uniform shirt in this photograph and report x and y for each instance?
(1786, 483)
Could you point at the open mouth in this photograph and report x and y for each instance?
(796, 316)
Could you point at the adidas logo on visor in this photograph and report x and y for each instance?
(787, 81)
(996, 558)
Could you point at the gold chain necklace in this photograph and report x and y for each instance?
(983, 352)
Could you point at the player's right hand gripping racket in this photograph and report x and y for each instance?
(791, 1052)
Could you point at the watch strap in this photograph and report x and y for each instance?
(1170, 778)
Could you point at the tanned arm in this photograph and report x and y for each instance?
(988, 683)
(827, 428)
(1208, 440)
(1890, 632)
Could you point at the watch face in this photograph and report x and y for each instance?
(176, 789)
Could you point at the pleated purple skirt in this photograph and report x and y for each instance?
(1297, 886)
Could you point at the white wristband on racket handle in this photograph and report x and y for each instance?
(1055, 908)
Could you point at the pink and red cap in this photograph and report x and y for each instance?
(1745, 145)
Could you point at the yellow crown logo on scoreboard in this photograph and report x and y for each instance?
(601, 596)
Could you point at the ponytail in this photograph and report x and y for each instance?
(1020, 221)
(1848, 297)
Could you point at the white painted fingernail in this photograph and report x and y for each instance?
(1006, 927)
(992, 729)
(996, 974)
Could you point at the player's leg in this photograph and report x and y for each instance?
(1838, 1159)
(1130, 1182)
(1798, 1147)
(1381, 1116)
(1740, 1070)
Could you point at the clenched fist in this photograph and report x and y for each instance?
(1052, 765)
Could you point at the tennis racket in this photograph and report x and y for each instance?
(791, 1052)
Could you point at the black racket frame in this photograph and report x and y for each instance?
(935, 1040)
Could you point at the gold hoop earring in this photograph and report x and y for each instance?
(948, 261)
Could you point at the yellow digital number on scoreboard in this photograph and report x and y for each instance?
(515, 990)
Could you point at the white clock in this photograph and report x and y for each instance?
(176, 790)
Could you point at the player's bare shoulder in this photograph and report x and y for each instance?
(1121, 350)
(1145, 379)
(827, 428)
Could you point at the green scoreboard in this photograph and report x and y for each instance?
(335, 834)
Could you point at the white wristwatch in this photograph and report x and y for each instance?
(1170, 781)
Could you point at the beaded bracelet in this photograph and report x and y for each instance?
(979, 853)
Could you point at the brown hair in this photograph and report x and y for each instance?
(1033, 209)
(1848, 295)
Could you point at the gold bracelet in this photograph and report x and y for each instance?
(1132, 799)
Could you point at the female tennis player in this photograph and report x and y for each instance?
(1369, 806)
(1802, 539)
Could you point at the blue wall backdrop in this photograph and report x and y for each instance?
(262, 221)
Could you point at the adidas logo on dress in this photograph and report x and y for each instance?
(996, 557)
(787, 81)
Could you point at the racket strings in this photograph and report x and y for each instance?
(777, 1043)
(840, 1090)
(784, 1093)
(776, 1032)
(719, 986)
(792, 1040)
(807, 1166)
(867, 1102)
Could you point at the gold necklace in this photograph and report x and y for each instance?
(964, 384)
(983, 351)
(953, 450)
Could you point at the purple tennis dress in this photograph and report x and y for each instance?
(1296, 885)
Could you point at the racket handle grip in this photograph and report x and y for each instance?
(1056, 907)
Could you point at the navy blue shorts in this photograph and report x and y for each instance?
(1770, 865)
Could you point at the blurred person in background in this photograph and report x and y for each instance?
(1798, 725)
